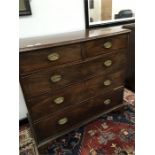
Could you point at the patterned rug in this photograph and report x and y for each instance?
(111, 134)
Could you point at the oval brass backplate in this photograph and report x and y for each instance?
(59, 100)
(107, 82)
(108, 63)
(108, 44)
(63, 121)
(56, 78)
(53, 56)
(107, 101)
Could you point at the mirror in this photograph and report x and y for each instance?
(109, 12)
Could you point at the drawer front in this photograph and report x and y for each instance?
(40, 59)
(50, 103)
(75, 115)
(102, 46)
(53, 80)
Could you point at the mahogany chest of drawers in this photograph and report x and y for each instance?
(69, 80)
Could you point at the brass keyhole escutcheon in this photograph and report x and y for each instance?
(53, 57)
(108, 63)
(107, 101)
(107, 44)
(56, 78)
(107, 82)
(59, 100)
(63, 121)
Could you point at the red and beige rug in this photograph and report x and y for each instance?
(111, 134)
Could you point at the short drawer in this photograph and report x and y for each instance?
(44, 105)
(105, 45)
(74, 116)
(43, 58)
(52, 80)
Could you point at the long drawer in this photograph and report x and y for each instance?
(52, 80)
(50, 103)
(74, 116)
(43, 58)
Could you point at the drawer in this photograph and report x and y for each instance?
(44, 105)
(40, 59)
(52, 80)
(105, 45)
(74, 116)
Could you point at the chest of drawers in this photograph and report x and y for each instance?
(69, 80)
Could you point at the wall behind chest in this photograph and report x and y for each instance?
(52, 17)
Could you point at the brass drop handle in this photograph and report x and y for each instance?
(63, 121)
(107, 101)
(107, 82)
(107, 44)
(53, 56)
(56, 78)
(108, 63)
(59, 100)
